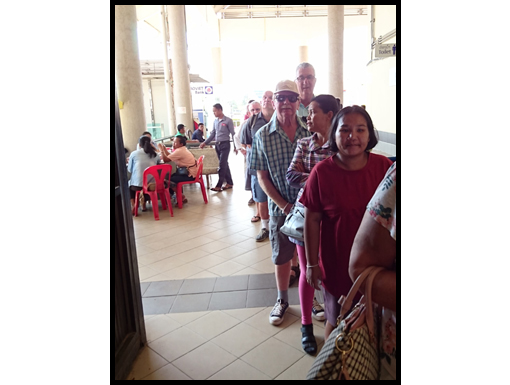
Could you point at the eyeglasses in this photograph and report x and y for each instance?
(309, 78)
(290, 98)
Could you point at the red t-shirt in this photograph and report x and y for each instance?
(342, 197)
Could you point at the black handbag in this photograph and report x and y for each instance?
(294, 223)
(182, 171)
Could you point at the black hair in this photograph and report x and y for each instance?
(373, 137)
(182, 139)
(218, 106)
(146, 132)
(179, 126)
(339, 102)
(327, 103)
(200, 124)
(145, 143)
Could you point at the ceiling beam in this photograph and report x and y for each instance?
(146, 11)
(280, 9)
(218, 8)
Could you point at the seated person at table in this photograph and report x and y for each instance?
(199, 133)
(139, 160)
(182, 158)
(181, 128)
(148, 134)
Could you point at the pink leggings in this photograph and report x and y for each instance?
(306, 292)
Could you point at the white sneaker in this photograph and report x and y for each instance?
(317, 310)
(276, 316)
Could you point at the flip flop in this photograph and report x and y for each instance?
(255, 218)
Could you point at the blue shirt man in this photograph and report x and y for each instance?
(199, 133)
(223, 128)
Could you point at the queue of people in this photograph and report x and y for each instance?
(306, 150)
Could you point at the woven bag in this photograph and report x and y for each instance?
(351, 351)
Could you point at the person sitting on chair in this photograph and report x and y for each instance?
(138, 161)
(183, 158)
(199, 133)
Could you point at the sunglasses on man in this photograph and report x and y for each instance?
(290, 98)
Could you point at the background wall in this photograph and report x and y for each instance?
(381, 83)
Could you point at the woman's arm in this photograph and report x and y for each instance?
(312, 238)
(374, 246)
(296, 173)
(165, 155)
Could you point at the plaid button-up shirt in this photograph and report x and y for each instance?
(273, 151)
(308, 154)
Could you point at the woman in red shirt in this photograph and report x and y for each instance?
(336, 195)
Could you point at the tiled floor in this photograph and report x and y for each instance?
(208, 289)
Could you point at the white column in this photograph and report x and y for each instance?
(336, 50)
(128, 75)
(216, 62)
(178, 50)
(172, 129)
(303, 54)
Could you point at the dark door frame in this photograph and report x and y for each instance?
(129, 322)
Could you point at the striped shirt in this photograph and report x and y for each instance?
(272, 151)
(308, 154)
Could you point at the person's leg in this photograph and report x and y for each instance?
(306, 291)
(228, 175)
(327, 330)
(176, 178)
(282, 251)
(332, 310)
(262, 208)
(221, 166)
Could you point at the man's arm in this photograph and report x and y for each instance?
(271, 191)
(209, 139)
(230, 125)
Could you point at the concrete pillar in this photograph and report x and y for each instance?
(128, 75)
(303, 53)
(179, 54)
(336, 50)
(216, 62)
(172, 129)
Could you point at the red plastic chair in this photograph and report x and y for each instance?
(164, 193)
(198, 179)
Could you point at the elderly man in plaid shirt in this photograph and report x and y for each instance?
(272, 151)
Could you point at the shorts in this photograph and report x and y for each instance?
(281, 247)
(259, 195)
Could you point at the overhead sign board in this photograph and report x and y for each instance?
(200, 90)
(385, 50)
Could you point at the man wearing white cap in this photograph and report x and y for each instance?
(272, 151)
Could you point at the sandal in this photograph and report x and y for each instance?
(308, 342)
(295, 277)
(216, 189)
(255, 218)
(227, 186)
